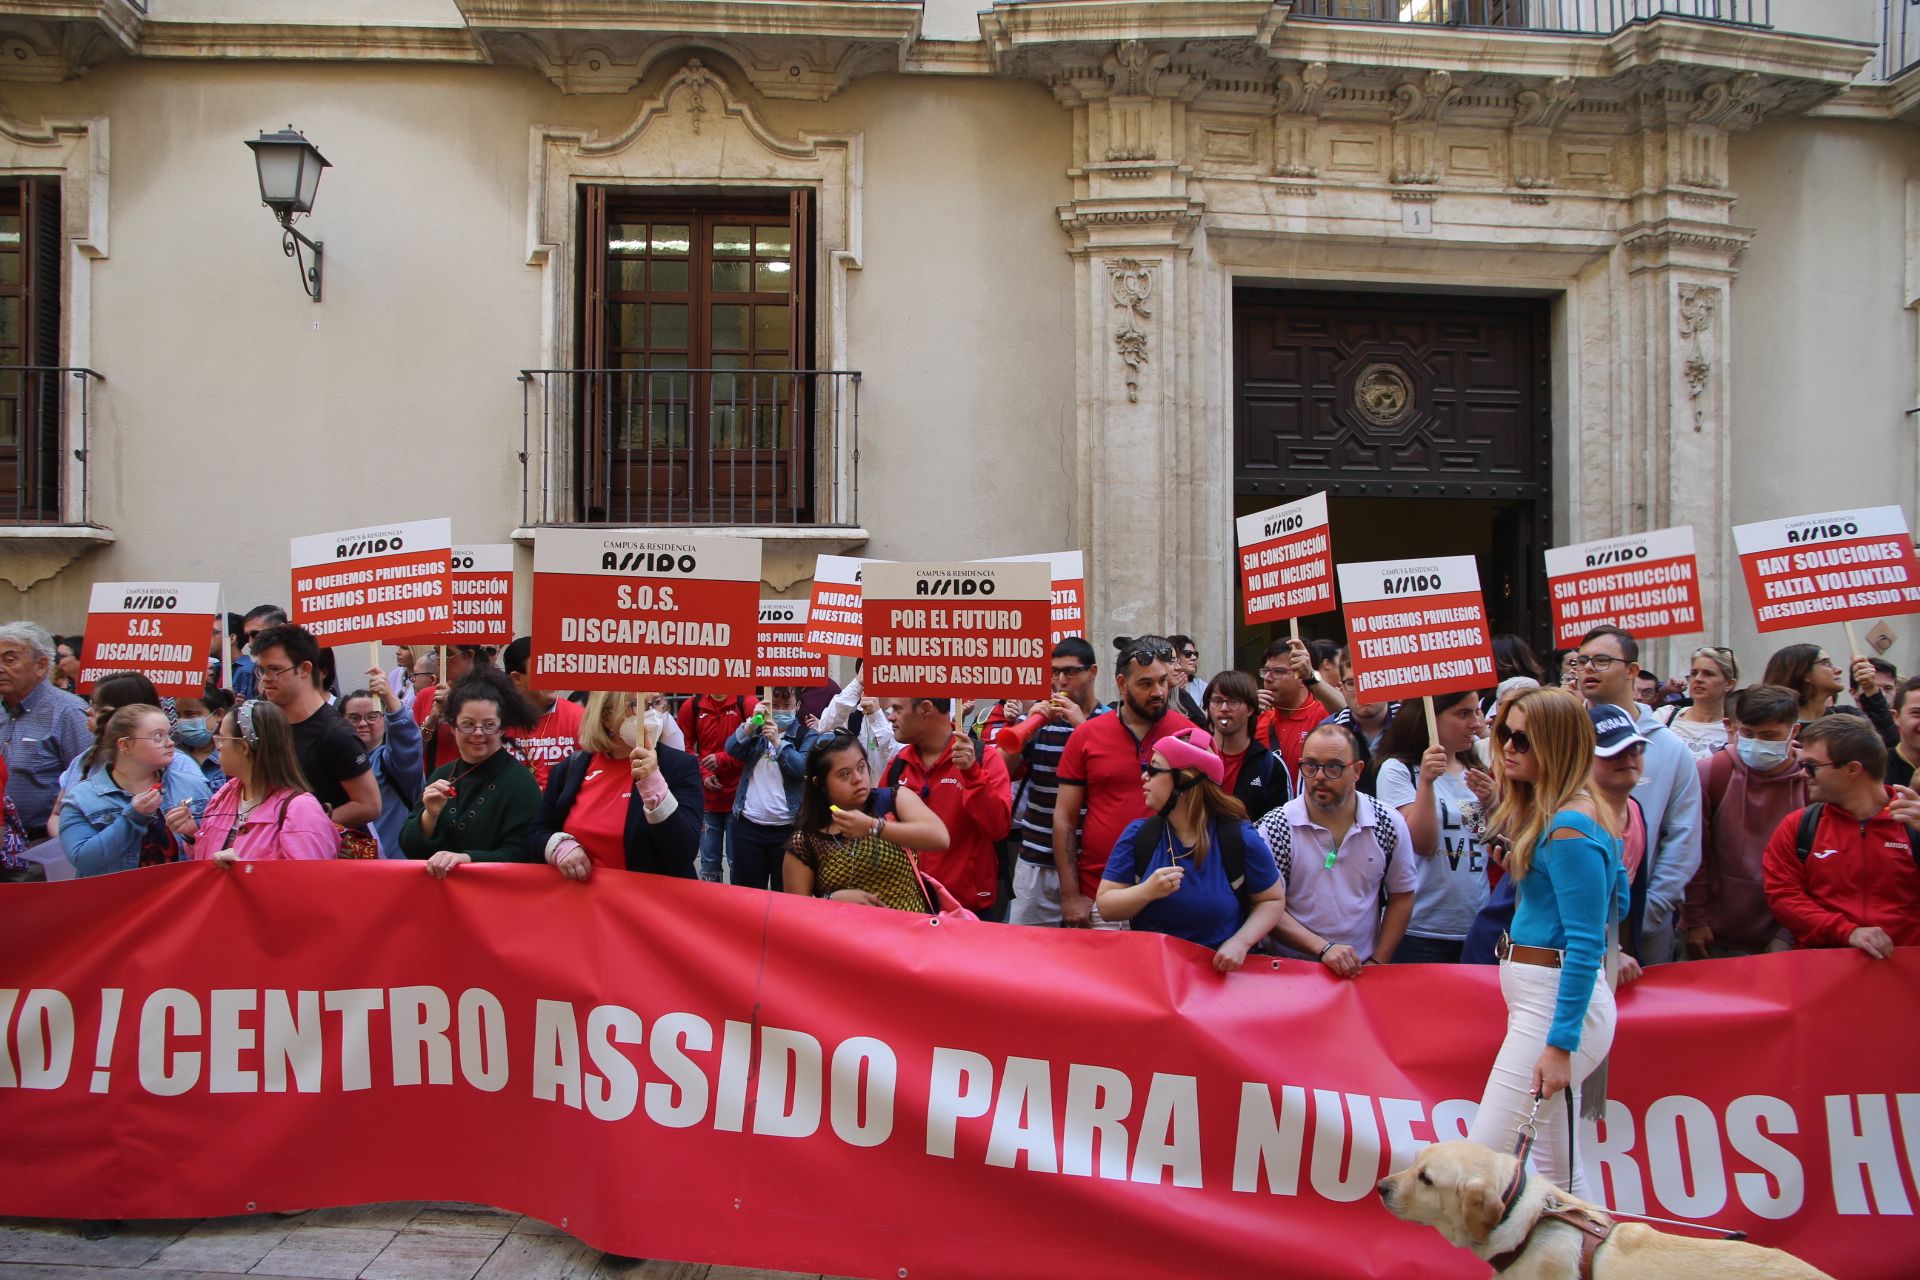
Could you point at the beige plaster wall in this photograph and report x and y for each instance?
(237, 413)
(1824, 354)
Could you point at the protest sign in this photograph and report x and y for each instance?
(833, 613)
(1069, 569)
(1804, 571)
(1286, 561)
(784, 657)
(383, 582)
(163, 630)
(482, 594)
(1416, 627)
(974, 630)
(628, 610)
(1646, 583)
(187, 1041)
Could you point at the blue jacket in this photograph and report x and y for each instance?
(396, 766)
(99, 832)
(747, 747)
(1669, 795)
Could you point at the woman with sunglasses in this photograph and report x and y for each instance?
(1564, 855)
(134, 809)
(479, 806)
(265, 811)
(1702, 724)
(855, 842)
(1171, 874)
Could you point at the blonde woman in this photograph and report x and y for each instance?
(1712, 674)
(1564, 856)
(618, 804)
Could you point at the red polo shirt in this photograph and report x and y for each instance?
(1104, 757)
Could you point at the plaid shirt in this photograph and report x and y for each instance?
(39, 736)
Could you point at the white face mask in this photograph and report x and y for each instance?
(1760, 755)
(657, 721)
(630, 731)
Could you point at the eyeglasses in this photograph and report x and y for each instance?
(1274, 673)
(1072, 671)
(157, 739)
(370, 717)
(1223, 702)
(424, 676)
(1515, 738)
(262, 671)
(228, 737)
(1153, 770)
(472, 730)
(1325, 768)
(1600, 662)
(1190, 653)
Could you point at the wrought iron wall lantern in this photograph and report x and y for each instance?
(290, 168)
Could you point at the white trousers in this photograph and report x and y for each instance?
(1530, 991)
(1036, 897)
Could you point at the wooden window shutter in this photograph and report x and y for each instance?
(594, 472)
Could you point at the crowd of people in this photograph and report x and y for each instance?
(1573, 825)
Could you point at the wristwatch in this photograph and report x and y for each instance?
(1312, 678)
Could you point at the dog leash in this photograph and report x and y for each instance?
(1523, 1148)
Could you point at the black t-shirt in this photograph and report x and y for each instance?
(1899, 772)
(330, 753)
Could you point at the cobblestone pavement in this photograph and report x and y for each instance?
(413, 1241)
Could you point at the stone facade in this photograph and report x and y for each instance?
(1189, 146)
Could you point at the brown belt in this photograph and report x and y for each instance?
(1508, 949)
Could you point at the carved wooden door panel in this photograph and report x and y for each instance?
(1398, 395)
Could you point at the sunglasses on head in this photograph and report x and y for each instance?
(1142, 653)
(1515, 738)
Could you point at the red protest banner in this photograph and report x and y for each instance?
(482, 595)
(1286, 561)
(163, 630)
(1647, 583)
(1807, 570)
(785, 658)
(183, 1040)
(384, 582)
(1416, 627)
(1069, 569)
(620, 609)
(833, 612)
(976, 630)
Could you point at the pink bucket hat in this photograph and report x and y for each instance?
(1192, 749)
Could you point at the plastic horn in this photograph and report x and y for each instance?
(1014, 738)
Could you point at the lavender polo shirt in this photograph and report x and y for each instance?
(1341, 903)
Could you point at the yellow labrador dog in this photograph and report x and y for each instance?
(1528, 1229)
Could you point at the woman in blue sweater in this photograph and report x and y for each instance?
(1565, 859)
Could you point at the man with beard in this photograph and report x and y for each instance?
(1337, 849)
(1100, 772)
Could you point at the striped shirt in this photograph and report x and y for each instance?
(1042, 787)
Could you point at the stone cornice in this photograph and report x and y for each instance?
(847, 19)
(322, 41)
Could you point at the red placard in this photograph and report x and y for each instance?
(833, 611)
(1069, 569)
(785, 658)
(627, 610)
(975, 630)
(182, 1041)
(1286, 561)
(384, 582)
(1416, 627)
(1804, 571)
(482, 595)
(1646, 583)
(163, 630)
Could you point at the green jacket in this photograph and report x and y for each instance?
(488, 816)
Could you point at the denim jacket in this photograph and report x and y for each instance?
(745, 745)
(396, 763)
(99, 831)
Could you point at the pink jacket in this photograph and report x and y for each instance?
(288, 824)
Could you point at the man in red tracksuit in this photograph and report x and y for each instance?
(1856, 884)
(706, 722)
(967, 787)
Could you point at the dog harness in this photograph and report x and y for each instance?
(1594, 1230)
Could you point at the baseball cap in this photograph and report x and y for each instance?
(1612, 729)
(1192, 749)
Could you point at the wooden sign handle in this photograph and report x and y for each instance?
(1433, 724)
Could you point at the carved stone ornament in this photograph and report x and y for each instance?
(1132, 286)
(1133, 68)
(1381, 395)
(1693, 319)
